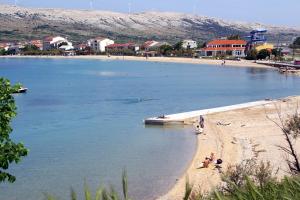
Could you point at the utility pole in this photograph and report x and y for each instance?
(129, 7)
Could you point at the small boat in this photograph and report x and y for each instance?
(22, 90)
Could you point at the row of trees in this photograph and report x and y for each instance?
(253, 54)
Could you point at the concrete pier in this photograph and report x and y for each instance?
(180, 118)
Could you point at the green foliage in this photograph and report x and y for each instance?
(2, 52)
(9, 151)
(234, 37)
(178, 46)
(263, 54)
(188, 190)
(201, 44)
(288, 188)
(251, 54)
(101, 193)
(30, 47)
(165, 49)
(297, 42)
(255, 183)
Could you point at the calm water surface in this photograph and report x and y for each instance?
(82, 120)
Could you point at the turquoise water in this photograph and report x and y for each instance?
(82, 120)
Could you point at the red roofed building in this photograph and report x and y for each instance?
(121, 47)
(234, 48)
(37, 43)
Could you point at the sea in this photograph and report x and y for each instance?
(82, 120)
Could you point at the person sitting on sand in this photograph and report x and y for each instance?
(212, 157)
(207, 161)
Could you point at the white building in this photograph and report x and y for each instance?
(57, 43)
(189, 44)
(98, 44)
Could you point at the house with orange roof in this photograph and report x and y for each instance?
(224, 47)
(37, 43)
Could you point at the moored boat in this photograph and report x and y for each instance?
(22, 90)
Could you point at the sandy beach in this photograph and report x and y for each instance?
(235, 136)
(242, 63)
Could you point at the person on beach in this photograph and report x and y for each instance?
(201, 121)
(211, 159)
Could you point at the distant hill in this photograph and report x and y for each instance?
(18, 23)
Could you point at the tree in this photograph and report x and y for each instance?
(297, 42)
(201, 44)
(2, 52)
(30, 47)
(234, 37)
(263, 54)
(251, 54)
(276, 52)
(291, 132)
(178, 46)
(9, 151)
(165, 49)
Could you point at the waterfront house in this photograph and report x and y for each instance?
(152, 45)
(99, 44)
(37, 43)
(189, 44)
(224, 47)
(5, 45)
(121, 49)
(57, 42)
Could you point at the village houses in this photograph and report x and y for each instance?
(99, 44)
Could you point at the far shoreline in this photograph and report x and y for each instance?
(200, 61)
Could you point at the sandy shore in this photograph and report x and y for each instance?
(250, 134)
(242, 63)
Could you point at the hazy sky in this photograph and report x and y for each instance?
(277, 12)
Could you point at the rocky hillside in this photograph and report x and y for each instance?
(18, 23)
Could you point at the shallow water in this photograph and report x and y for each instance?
(82, 120)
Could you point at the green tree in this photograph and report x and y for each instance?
(276, 52)
(178, 46)
(251, 54)
(234, 37)
(165, 49)
(30, 47)
(297, 42)
(9, 151)
(263, 54)
(201, 44)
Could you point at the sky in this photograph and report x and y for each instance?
(274, 12)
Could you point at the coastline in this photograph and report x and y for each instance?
(242, 63)
(245, 134)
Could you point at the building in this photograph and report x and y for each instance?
(258, 40)
(119, 48)
(189, 44)
(37, 43)
(224, 47)
(153, 45)
(99, 44)
(5, 45)
(57, 43)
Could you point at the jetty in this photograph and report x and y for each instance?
(280, 64)
(182, 118)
